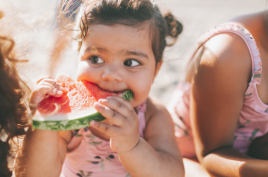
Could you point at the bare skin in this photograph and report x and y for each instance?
(218, 84)
(104, 63)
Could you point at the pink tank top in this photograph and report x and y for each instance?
(90, 156)
(253, 118)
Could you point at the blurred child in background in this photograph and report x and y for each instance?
(220, 110)
(13, 106)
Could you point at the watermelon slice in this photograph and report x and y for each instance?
(73, 110)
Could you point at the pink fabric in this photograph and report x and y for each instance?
(90, 156)
(253, 118)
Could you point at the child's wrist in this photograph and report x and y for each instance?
(134, 147)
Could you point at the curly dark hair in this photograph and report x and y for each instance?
(125, 12)
(13, 106)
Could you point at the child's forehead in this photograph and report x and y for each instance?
(95, 50)
(120, 37)
(140, 29)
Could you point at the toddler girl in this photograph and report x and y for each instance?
(121, 48)
(221, 110)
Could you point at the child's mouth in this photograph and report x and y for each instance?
(109, 91)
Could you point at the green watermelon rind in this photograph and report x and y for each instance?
(128, 95)
(74, 123)
(61, 125)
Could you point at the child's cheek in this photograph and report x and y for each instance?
(142, 90)
(82, 70)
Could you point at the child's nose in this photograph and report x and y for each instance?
(112, 73)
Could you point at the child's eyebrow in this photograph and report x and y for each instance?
(96, 49)
(140, 54)
(126, 52)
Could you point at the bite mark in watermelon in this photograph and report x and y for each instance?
(75, 108)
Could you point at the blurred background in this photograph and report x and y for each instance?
(31, 23)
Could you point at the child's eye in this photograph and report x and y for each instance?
(131, 63)
(95, 60)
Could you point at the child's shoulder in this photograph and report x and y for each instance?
(154, 108)
(159, 129)
(226, 47)
(227, 53)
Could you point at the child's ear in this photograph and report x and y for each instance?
(158, 66)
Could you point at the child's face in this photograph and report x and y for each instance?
(117, 58)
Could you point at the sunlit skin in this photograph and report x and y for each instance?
(104, 58)
(116, 64)
(115, 58)
(218, 85)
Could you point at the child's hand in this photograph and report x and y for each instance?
(45, 86)
(124, 124)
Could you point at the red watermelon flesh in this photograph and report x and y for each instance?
(77, 96)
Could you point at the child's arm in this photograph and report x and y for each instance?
(218, 88)
(43, 150)
(43, 153)
(158, 155)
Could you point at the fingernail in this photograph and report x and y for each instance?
(93, 122)
(97, 104)
(101, 100)
(59, 92)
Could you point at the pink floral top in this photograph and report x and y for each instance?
(90, 156)
(253, 118)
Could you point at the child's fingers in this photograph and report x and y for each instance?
(114, 117)
(122, 100)
(40, 79)
(52, 82)
(105, 128)
(118, 105)
(42, 91)
(54, 92)
(48, 89)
